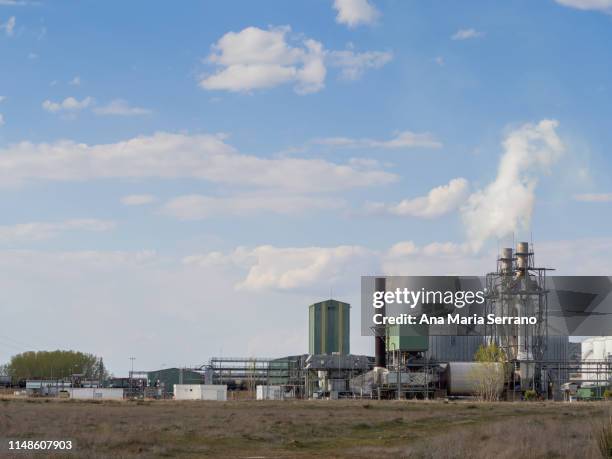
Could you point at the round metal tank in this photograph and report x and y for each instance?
(462, 377)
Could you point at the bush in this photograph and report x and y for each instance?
(530, 394)
(607, 394)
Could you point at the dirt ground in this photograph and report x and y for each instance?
(270, 429)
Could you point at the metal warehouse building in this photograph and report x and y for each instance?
(168, 377)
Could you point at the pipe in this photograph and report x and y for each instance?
(380, 285)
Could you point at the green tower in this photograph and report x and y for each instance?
(329, 327)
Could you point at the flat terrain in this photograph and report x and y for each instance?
(419, 429)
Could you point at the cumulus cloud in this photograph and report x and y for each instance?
(439, 201)
(170, 156)
(120, 107)
(595, 5)
(9, 26)
(199, 207)
(354, 13)
(255, 58)
(506, 204)
(466, 34)
(404, 139)
(594, 197)
(76, 81)
(69, 104)
(44, 230)
(137, 199)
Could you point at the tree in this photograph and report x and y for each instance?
(490, 374)
(55, 365)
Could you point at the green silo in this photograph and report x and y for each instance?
(329, 327)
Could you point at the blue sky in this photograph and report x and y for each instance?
(171, 169)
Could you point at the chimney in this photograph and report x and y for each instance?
(522, 257)
(380, 285)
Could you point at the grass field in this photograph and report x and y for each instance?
(434, 429)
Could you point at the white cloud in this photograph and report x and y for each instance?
(76, 81)
(439, 201)
(137, 199)
(2, 119)
(199, 207)
(594, 197)
(69, 104)
(120, 107)
(43, 230)
(404, 139)
(355, 12)
(9, 26)
(275, 268)
(353, 64)
(2, 99)
(257, 59)
(170, 156)
(466, 34)
(32, 56)
(14, 3)
(506, 204)
(596, 5)
(270, 268)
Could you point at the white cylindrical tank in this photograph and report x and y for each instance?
(462, 378)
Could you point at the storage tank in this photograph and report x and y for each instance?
(462, 378)
(329, 327)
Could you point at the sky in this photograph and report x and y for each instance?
(179, 180)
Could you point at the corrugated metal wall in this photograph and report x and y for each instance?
(463, 348)
(453, 348)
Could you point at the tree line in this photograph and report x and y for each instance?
(54, 365)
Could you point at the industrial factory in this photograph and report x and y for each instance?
(411, 360)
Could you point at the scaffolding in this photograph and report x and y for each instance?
(518, 288)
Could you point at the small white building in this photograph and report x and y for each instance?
(269, 393)
(96, 393)
(200, 392)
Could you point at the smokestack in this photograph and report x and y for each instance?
(380, 285)
(506, 261)
(522, 257)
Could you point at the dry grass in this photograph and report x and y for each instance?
(309, 428)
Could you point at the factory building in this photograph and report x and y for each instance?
(166, 378)
(329, 325)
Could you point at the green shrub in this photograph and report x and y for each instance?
(530, 394)
(607, 394)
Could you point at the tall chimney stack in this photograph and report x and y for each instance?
(380, 285)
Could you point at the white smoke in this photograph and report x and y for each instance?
(506, 204)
